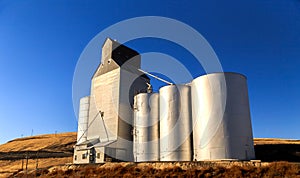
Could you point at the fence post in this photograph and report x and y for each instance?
(22, 164)
(37, 163)
(26, 162)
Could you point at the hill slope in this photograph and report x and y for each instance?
(48, 142)
(42, 151)
(61, 145)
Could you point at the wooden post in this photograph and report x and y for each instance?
(26, 162)
(22, 164)
(37, 163)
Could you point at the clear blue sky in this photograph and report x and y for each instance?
(41, 41)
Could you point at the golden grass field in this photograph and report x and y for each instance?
(62, 166)
(62, 142)
(47, 142)
(264, 141)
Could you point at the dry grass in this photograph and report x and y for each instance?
(279, 169)
(264, 141)
(52, 142)
(64, 143)
(12, 167)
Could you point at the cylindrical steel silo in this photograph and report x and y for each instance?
(146, 127)
(221, 117)
(175, 123)
(83, 117)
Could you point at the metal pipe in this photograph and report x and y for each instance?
(165, 81)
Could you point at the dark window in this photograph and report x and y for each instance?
(83, 156)
(75, 158)
(98, 155)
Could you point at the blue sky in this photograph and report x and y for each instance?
(41, 41)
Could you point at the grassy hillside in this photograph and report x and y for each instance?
(62, 142)
(42, 151)
(275, 141)
(270, 149)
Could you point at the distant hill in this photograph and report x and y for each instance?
(42, 151)
(270, 141)
(272, 149)
(41, 146)
(48, 150)
(62, 142)
(61, 145)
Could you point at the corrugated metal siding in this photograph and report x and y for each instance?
(146, 127)
(175, 123)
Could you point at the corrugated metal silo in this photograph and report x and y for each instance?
(83, 117)
(146, 127)
(175, 123)
(221, 117)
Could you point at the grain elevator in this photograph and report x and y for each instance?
(105, 131)
(124, 120)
